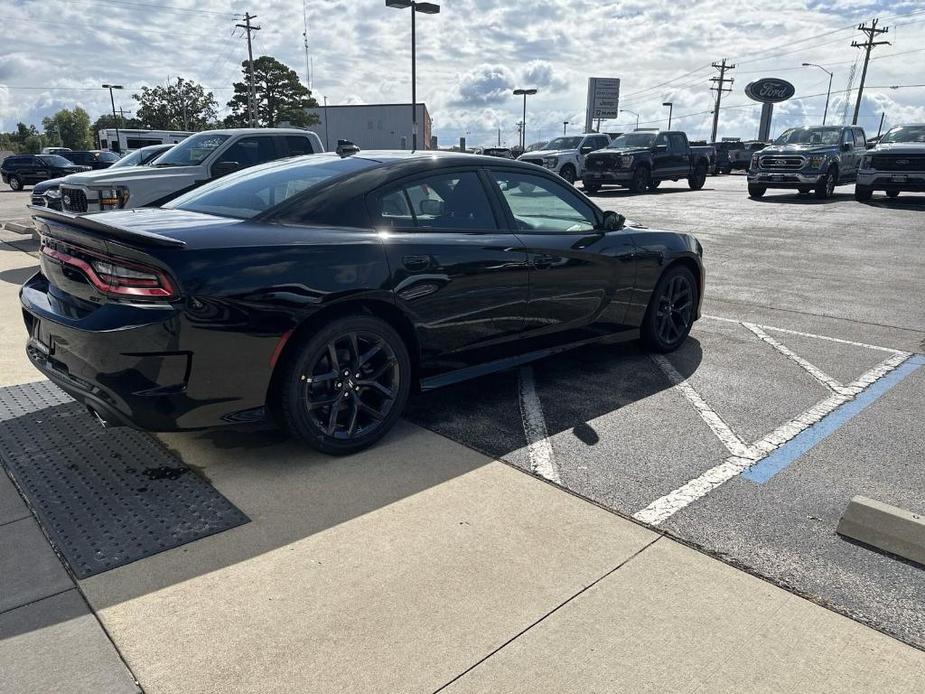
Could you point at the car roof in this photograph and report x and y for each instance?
(251, 131)
(386, 156)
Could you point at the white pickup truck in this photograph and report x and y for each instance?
(199, 158)
(566, 155)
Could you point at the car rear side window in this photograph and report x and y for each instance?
(296, 146)
(540, 204)
(249, 151)
(676, 141)
(445, 201)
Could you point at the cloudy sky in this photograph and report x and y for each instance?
(56, 53)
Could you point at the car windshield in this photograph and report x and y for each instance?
(247, 193)
(193, 150)
(809, 136)
(633, 140)
(905, 133)
(563, 143)
(55, 160)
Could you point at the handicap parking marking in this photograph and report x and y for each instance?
(743, 457)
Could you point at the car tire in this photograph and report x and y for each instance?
(653, 185)
(826, 187)
(755, 191)
(344, 386)
(892, 193)
(698, 178)
(804, 191)
(15, 183)
(590, 188)
(568, 173)
(640, 181)
(670, 314)
(863, 193)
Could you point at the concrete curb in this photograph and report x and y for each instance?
(17, 228)
(885, 527)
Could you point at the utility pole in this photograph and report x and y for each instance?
(308, 69)
(719, 89)
(870, 31)
(182, 102)
(251, 88)
(122, 113)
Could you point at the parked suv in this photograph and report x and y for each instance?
(94, 158)
(20, 170)
(199, 158)
(566, 155)
(896, 164)
(641, 160)
(814, 158)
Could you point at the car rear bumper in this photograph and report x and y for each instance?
(149, 368)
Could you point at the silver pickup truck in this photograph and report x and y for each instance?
(807, 159)
(896, 164)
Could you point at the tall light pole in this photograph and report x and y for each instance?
(112, 100)
(670, 106)
(828, 93)
(327, 146)
(424, 8)
(523, 129)
(564, 127)
(626, 110)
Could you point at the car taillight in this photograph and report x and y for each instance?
(118, 277)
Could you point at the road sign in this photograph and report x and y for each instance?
(603, 99)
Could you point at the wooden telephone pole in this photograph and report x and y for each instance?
(870, 31)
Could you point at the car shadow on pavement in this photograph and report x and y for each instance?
(18, 275)
(625, 192)
(808, 199)
(577, 387)
(914, 202)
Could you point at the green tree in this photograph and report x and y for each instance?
(69, 128)
(183, 105)
(281, 97)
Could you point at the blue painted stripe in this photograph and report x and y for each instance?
(780, 458)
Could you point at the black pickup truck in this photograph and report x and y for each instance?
(641, 160)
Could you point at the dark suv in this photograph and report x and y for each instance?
(94, 158)
(25, 169)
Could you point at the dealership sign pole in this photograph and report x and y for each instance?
(768, 91)
(603, 100)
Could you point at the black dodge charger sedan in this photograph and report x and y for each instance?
(322, 290)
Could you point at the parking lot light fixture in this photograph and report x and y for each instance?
(112, 100)
(670, 106)
(626, 110)
(828, 93)
(523, 128)
(423, 8)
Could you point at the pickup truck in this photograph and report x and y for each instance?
(896, 164)
(197, 159)
(566, 155)
(641, 160)
(816, 158)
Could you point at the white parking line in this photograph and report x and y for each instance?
(745, 457)
(542, 458)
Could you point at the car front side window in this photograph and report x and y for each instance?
(540, 204)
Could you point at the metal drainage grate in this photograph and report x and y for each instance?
(106, 497)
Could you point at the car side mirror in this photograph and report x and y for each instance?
(431, 207)
(223, 168)
(613, 221)
(586, 149)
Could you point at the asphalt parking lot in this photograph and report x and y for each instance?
(811, 309)
(800, 387)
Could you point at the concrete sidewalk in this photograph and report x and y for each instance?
(413, 566)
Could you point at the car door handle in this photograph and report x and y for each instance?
(416, 262)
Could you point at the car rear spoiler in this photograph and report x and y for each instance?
(138, 236)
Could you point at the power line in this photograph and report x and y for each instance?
(171, 8)
(868, 45)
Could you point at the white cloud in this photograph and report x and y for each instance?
(471, 55)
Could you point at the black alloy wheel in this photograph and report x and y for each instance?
(863, 193)
(590, 188)
(568, 173)
(670, 314)
(756, 191)
(698, 178)
(640, 182)
(892, 193)
(15, 183)
(346, 386)
(826, 187)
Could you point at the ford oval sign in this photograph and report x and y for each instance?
(769, 90)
